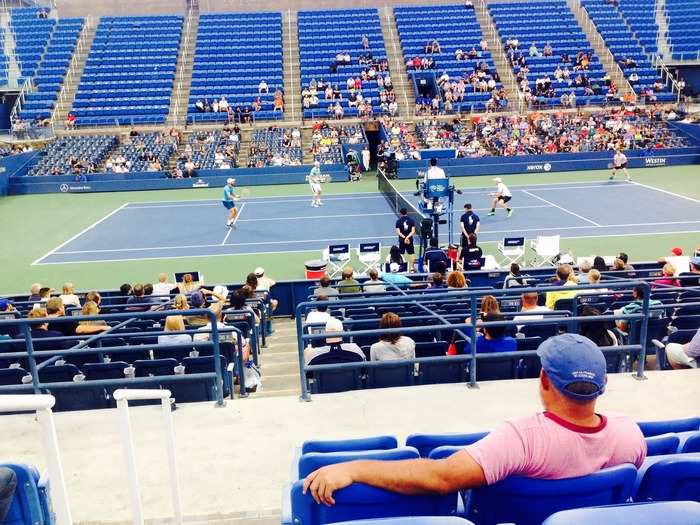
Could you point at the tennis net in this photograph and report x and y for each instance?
(398, 201)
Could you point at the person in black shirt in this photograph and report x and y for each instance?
(434, 258)
(406, 230)
(691, 278)
(468, 223)
(472, 254)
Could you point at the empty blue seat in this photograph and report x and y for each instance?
(654, 428)
(426, 443)
(662, 444)
(671, 512)
(30, 504)
(314, 460)
(346, 445)
(672, 478)
(411, 520)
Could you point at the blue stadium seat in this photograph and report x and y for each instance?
(347, 445)
(531, 501)
(426, 443)
(672, 478)
(655, 428)
(30, 504)
(662, 444)
(312, 461)
(691, 445)
(411, 520)
(675, 512)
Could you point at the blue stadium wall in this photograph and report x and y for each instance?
(15, 165)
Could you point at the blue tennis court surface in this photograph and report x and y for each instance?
(161, 230)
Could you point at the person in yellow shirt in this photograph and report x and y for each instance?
(564, 277)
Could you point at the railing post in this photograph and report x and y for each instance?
(300, 347)
(217, 361)
(643, 329)
(472, 343)
(32, 360)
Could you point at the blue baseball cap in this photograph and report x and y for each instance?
(573, 358)
(4, 303)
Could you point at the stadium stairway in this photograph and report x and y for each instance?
(405, 96)
(13, 69)
(75, 71)
(292, 67)
(662, 47)
(180, 96)
(490, 32)
(598, 44)
(279, 362)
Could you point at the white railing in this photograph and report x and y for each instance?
(42, 404)
(183, 64)
(398, 60)
(122, 396)
(288, 90)
(27, 87)
(667, 77)
(77, 53)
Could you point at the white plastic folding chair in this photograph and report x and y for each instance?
(546, 248)
(369, 254)
(512, 248)
(337, 256)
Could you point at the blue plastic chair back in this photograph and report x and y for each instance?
(426, 443)
(360, 501)
(26, 508)
(692, 444)
(675, 478)
(675, 512)
(531, 501)
(411, 520)
(662, 444)
(654, 428)
(347, 445)
(315, 460)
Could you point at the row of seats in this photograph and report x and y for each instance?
(69, 155)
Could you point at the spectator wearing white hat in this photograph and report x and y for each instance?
(334, 351)
(501, 197)
(265, 284)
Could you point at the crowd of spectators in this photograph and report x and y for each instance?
(275, 146)
(15, 149)
(245, 113)
(327, 141)
(399, 141)
(209, 150)
(142, 152)
(74, 155)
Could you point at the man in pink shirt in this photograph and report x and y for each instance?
(568, 439)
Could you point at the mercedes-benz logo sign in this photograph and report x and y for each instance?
(547, 167)
(63, 188)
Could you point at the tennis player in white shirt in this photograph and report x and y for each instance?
(620, 163)
(501, 197)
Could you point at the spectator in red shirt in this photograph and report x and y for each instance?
(568, 439)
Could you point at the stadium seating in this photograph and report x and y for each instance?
(683, 17)
(275, 147)
(67, 154)
(454, 27)
(129, 74)
(324, 34)
(140, 152)
(211, 150)
(640, 16)
(52, 69)
(623, 44)
(678, 513)
(32, 33)
(553, 23)
(234, 52)
(31, 505)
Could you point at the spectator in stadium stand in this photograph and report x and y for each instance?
(8, 484)
(396, 278)
(392, 346)
(667, 277)
(618, 265)
(569, 439)
(584, 268)
(319, 315)
(374, 284)
(456, 281)
(599, 264)
(529, 306)
(437, 282)
(395, 256)
(596, 331)
(34, 293)
(435, 259)
(91, 308)
(163, 288)
(325, 289)
(265, 284)
(41, 331)
(624, 258)
(692, 277)
(334, 351)
(593, 280)
(472, 254)
(348, 284)
(515, 277)
(494, 338)
(684, 356)
(125, 292)
(238, 301)
(634, 307)
(137, 301)
(564, 277)
(174, 323)
(55, 308)
(45, 294)
(68, 297)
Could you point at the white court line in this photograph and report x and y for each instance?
(308, 251)
(233, 224)
(339, 196)
(678, 195)
(81, 232)
(265, 201)
(561, 208)
(511, 230)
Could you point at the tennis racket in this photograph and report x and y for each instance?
(245, 192)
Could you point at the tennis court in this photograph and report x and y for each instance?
(278, 225)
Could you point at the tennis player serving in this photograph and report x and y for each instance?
(501, 197)
(315, 179)
(229, 201)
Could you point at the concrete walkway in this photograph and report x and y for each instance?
(235, 460)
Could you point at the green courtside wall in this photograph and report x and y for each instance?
(32, 225)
